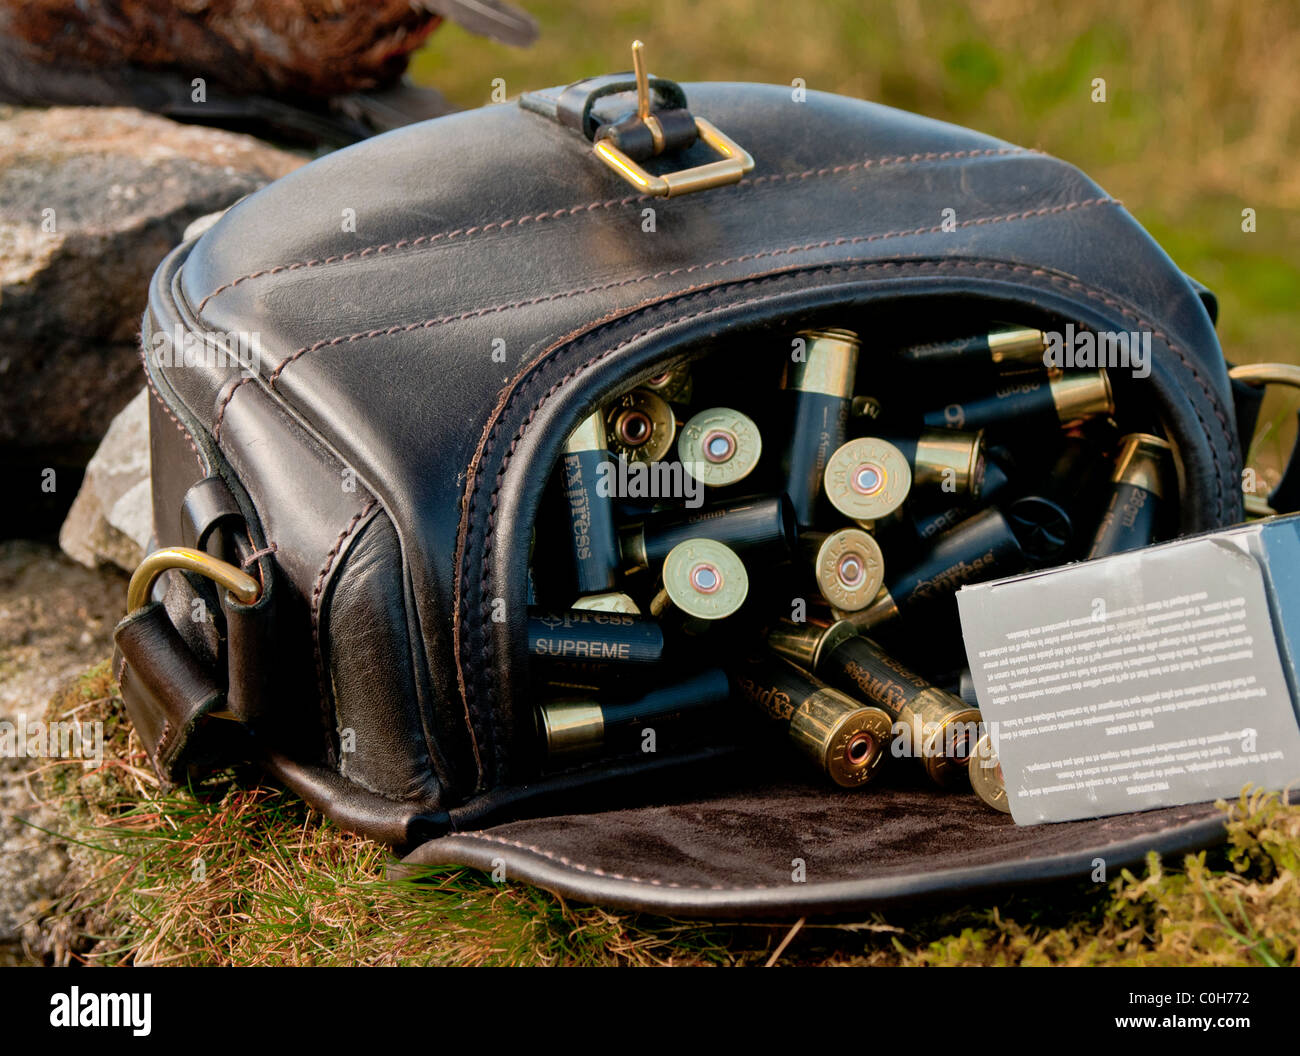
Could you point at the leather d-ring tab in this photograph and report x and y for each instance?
(204, 507)
(575, 106)
(167, 691)
(258, 679)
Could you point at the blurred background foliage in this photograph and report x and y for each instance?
(1201, 121)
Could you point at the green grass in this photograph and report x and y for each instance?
(233, 872)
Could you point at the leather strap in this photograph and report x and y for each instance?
(166, 690)
(574, 106)
(605, 108)
(635, 139)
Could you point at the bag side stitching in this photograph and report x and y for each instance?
(316, 593)
(428, 324)
(608, 203)
(597, 871)
(189, 439)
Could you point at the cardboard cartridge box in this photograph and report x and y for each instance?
(1153, 678)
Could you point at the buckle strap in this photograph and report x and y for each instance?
(167, 691)
(575, 105)
(627, 133)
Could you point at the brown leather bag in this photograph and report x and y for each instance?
(376, 469)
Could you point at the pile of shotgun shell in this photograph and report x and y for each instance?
(716, 550)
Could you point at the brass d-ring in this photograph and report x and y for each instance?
(243, 586)
(1264, 374)
(1267, 374)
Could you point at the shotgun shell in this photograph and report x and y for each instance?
(848, 565)
(928, 525)
(986, 775)
(592, 535)
(865, 410)
(981, 547)
(1029, 401)
(719, 446)
(571, 728)
(1078, 397)
(937, 728)
(614, 601)
(1136, 495)
(867, 479)
(758, 527)
(807, 644)
(846, 740)
(945, 462)
(594, 637)
(966, 688)
(673, 384)
(578, 727)
(933, 726)
(1016, 347)
(1047, 522)
(1004, 350)
(884, 529)
(640, 426)
(704, 579)
(1044, 527)
(821, 388)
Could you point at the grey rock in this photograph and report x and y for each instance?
(91, 199)
(111, 518)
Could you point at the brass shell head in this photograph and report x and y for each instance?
(867, 479)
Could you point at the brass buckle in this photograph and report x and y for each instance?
(1264, 374)
(735, 161)
(238, 582)
(733, 166)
